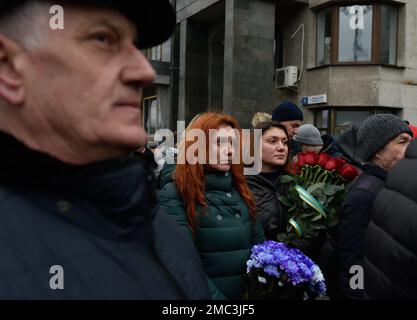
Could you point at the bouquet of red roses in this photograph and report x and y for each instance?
(315, 193)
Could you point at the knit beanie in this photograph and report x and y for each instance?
(309, 135)
(376, 132)
(287, 111)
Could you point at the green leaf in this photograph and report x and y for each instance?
(308, 215)
(293, 195)
(329, 190)
(285, 201)
(322, 198)
(293, 207)
(330, 199)
(317, 187)
(320, 227)
(332, 189)
(316, 218)
(286, 178)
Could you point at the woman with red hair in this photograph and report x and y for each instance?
(209, 197)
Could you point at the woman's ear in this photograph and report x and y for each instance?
(11, 81)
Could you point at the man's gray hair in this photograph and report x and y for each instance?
(26, 25)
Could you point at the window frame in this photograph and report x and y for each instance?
(154, 53)
(333, 128)
(376, 33)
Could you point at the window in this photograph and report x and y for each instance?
(357, 34)
(324, 36)
(334, 121)
(322, 120)
(388, 49)
(154, 53)
(344, 119)
(152, 114)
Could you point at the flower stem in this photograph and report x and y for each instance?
(317, 172)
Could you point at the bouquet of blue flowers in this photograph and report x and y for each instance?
(277, 271)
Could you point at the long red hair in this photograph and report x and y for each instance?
(190, 178)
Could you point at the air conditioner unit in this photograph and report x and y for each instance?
(286, 77)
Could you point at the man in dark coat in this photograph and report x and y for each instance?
(381, 141)
(78, 216)
(391, 238)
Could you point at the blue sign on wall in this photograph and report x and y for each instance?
(308, 100)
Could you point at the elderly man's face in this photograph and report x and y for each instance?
(292, 126)
(393, 152)
(84, 82)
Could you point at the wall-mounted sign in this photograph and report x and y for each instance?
(309, 100)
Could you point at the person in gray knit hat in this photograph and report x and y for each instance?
(377, 144)
(309, 138)
(376, 132)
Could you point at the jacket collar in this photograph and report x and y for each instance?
(261, 180)
(219, 181)
(375, 170)
(118, 190)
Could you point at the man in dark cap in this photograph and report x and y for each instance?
(377, 144)
(289, 115)
(78, 215)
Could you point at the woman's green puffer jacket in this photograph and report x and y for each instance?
(225, 234)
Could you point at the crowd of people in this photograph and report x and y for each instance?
(80, 190)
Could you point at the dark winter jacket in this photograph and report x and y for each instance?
(354, 219)
(391, 238)
(225, 234)
(272, 214)
(99, 223)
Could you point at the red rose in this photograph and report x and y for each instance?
(331, 165)
(307, 158)
(323, 158)
(340, 162)
(348, 172)
(300, 161)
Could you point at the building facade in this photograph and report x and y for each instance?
(340, 60)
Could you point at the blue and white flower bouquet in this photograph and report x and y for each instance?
(277, 271)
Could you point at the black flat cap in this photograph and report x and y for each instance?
(155, 19)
